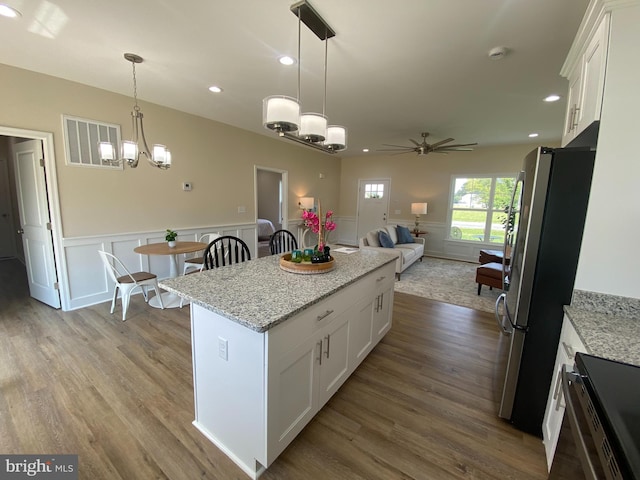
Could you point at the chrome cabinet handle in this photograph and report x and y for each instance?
(328, 337)
(324, 315)
(20, 231)
(574, 121)
(320, 357)
(379, 279)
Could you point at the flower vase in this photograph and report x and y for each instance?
(171, 243)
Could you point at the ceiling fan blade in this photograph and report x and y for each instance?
(458, 145)
(414, 142)
(440, 150)
(398, 146)
(441, 142)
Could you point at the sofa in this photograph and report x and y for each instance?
(407, 253)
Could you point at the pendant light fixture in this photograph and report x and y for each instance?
(159, 157)
(282, 114)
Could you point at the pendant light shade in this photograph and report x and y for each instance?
(336, 138)
(313, 127)
(281, 113)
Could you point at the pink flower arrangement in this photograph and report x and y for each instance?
(312, 221)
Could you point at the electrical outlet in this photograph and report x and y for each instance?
(242, 209)
(398, 212)
(223, 348)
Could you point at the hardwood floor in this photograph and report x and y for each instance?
(119, 394)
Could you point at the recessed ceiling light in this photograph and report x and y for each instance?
(215, 89)
(365, 150)
(533, 135)
(285, 60)
(552, 98)
(7, 11)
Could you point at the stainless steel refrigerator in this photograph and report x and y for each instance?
(548, 208)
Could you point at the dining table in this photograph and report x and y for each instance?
(169, 300)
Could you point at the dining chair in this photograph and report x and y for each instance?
(196, 263)
(127, 282)
(282, 241)
(225, 250)
(222, 251)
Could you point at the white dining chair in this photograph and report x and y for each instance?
(196, 263)
(126, 282)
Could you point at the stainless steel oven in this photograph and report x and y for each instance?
(599, 437)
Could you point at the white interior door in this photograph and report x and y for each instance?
(34, 220)
(373, 205)
(7, 232)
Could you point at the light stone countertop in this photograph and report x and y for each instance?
(608, 325)
(259, 294)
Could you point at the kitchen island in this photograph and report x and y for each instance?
(271, 347)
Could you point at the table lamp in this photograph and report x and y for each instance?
(418, 209)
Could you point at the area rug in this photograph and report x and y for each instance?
(447, 281)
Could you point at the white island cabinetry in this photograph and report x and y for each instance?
(262, 371)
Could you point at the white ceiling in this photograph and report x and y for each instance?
(395, 68)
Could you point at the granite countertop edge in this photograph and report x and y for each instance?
(252, 316)
(608, 325)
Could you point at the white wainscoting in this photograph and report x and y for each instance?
(85, 281)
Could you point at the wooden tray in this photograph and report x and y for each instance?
(305, 268)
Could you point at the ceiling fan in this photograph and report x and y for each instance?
(424, 147)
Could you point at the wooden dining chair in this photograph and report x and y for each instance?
(225, 250)
(126, 282)
(282, 241)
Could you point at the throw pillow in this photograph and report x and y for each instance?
(404, 235)
(372, 239)
(385, 240)
(391, 230)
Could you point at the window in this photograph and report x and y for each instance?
(82, 137)
(477, 208)
(374, 190)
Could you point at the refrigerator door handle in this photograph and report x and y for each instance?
(499, 316)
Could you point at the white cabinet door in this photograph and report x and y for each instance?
(573, 104)
(568, 346)
(586, 84)
(361, 331)
(382, 313)
(292, 399)
(333, 360)
(593, 73)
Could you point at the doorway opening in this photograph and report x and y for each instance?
(373, 204)
(271, 187)
(32, 210)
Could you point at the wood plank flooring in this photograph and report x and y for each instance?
(120, 395)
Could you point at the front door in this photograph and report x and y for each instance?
(35, 222)
(373, 205)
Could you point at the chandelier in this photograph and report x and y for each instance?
(282, 114)
(132, 149)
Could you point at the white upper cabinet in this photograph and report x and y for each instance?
(586, 75)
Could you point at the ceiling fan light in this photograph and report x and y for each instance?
(313, 127)
(280, 113)
(336, 137)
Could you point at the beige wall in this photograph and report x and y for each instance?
(425, 178)
(218, 159)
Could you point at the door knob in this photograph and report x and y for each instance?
(20, 231)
